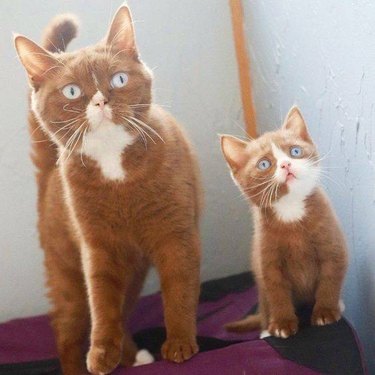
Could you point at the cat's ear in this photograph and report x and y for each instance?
(121, 36)
(234, 151)
(38, 62)
(295, 122)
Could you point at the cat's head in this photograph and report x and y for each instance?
(279, 163)
(89, 88)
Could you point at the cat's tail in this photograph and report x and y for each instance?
(59, 32)
(250, 323)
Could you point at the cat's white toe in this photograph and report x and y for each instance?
(264, 334)
(143, 357)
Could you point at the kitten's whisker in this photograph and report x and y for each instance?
(260, 184)
(249, 138)
(265, 195)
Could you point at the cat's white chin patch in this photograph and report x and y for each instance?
(143, 357)
(105, 145)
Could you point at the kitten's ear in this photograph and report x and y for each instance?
(295, 122)
(38, 62)
(234, 151)
(121, 36)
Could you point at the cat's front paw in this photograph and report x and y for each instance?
(283, 327)
(325, 315)
(103, 359)
(179, 350)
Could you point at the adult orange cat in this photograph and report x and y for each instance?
(299, 253)
(118, 190)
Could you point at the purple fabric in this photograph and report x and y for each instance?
(250, 358)
(32, 339)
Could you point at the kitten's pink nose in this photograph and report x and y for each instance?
(285, 165)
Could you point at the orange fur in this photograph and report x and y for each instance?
(100, 235)
(298, 262)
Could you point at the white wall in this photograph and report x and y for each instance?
(189, 43)
(321, 55)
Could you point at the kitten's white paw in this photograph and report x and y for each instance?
(143, 357)
(264, 334)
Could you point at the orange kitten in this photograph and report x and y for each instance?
(299, 252)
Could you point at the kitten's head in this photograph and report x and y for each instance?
(88, 88)
(279, 163)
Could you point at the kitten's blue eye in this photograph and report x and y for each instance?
(71, 91)
(295, 152)
(119, 80)
(264, 164)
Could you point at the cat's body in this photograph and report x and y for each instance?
(124, 195)
(298, 250)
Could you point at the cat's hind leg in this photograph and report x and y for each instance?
(135, 276)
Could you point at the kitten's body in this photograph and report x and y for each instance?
(118, 201)
(299, 252)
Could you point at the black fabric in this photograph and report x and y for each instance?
(215, 289)
(329, 349)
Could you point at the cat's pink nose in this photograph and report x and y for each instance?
(285, 164)
(101, 103)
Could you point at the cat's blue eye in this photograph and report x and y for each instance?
(295, 152)
(71, 91)
(264, 164)
(119, 80)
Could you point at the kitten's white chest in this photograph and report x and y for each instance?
(105, 145)
(290, 208)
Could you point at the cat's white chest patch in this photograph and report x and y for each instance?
(105, 144)
(290, 208)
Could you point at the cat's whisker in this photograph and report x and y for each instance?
(141, 123)
(67, 126)
(71, 110)
(141, 131)
(83, 145)
(67, 146)
(65, 121)
(76, 138)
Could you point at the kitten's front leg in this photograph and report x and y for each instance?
(283, 321)
(177, 261)
(327, 296)
(104, 273)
